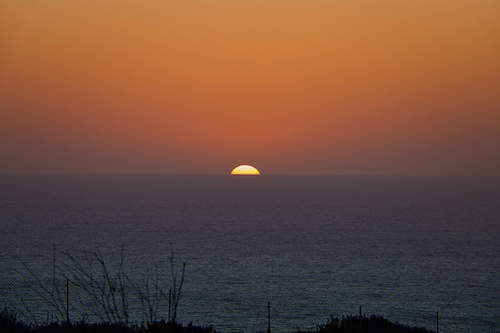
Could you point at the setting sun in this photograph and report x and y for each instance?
(245, 170)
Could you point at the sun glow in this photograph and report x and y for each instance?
(245, 170)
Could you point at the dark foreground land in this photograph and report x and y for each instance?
(352, 324)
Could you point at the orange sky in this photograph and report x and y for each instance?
(291, 86)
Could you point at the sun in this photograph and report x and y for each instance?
(245, 170)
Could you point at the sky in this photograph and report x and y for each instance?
(290, 86)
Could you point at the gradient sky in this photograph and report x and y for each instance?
(290, 86)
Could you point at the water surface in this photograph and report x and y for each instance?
(313, 246)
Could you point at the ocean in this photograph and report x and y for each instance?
(313, 246)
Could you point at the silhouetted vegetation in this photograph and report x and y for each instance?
(373, 324)
(106, 290)
(350, 324)
(10, 324)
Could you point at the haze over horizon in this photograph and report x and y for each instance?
(300, 86)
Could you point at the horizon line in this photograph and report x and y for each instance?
(311, 174)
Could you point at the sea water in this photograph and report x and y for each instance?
(313, 246)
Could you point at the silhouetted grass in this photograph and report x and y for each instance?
(105, 289)
(350, 324)
(10, 324)
(373, 324)
(109, 288)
